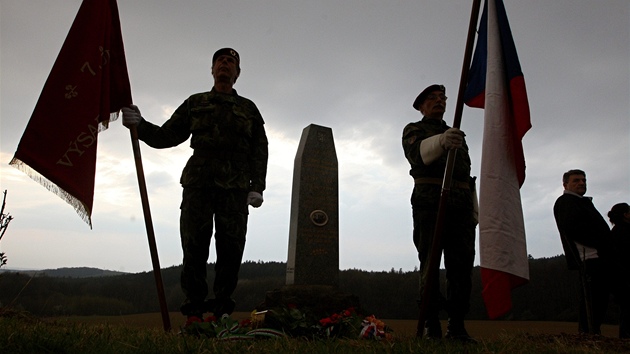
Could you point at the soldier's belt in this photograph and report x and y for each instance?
(221, 155)
(438, 181)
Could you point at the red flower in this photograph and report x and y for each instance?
(192, 319)
(325, 321)
(210, 319)
(292, 306)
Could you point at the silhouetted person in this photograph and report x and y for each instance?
(585, 238)
(225, 174)
(619, 216)
(426, 144)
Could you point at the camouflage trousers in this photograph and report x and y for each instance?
(203, 209)
(458, 246)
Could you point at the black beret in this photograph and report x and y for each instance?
(226, 51)
(423, 95)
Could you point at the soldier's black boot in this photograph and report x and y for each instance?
(209, 305)
(432, 329)
(194, 314)
(456, 331)
(223, 307)
(432, 325)
(191, 310)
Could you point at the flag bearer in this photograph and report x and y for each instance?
(426, 144)
(225, 174)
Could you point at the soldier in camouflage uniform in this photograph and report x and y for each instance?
(225, 174)
(426, 144)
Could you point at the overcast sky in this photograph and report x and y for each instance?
(354, 66)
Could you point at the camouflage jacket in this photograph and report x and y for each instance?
(228, 138)
(428, 195)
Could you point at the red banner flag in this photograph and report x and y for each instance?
(87, 87)
(496, 84)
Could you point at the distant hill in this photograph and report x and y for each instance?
(78, 272)
(550, 295)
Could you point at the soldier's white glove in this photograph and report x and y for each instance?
(431, 149)
(254, 199)
(131, 116)
(453, 138)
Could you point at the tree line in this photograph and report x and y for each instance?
(551, 294)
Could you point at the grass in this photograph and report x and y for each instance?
(21, 333)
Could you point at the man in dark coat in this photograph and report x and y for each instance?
(619, 216)
(585, 238)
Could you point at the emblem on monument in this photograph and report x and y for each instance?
(319, 217)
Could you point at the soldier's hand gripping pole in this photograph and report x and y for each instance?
(435, 256)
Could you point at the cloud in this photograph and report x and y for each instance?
(354, 66)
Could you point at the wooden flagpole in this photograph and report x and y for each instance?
(435, 256)
(149, 226)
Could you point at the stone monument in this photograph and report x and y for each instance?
(312, 277)
(314, 225)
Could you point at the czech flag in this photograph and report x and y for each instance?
(496, 84)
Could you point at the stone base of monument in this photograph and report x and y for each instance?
(319, 300)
